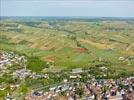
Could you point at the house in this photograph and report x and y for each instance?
(9, 98)
(52, 88)
(14, 86)
(2, 87)
(121, 58)
(103, 68)
(77, 71)
(65, 80)
(115, 98)
(4, 61)
(23, 73)
(66, 87)
(73, 76)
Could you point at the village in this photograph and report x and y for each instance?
(93, 89)
(120, 89)
(79, 84)
(7, 60)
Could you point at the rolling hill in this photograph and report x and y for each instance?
(70, 42)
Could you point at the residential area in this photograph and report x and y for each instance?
(76, 84)
(120, 89)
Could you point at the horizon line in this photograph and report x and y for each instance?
(76, 16)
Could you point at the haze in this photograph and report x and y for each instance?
(93, 8)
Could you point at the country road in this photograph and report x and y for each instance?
(130, 46)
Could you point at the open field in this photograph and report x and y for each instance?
(71, 43)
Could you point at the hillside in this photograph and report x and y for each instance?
(70, 43)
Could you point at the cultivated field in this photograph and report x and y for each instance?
(69, 43)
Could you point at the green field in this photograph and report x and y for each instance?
(71, 43)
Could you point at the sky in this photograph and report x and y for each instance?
(92, 8)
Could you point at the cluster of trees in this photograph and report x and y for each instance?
(35, 64)
(32, 24)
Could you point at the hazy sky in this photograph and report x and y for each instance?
(97, 8)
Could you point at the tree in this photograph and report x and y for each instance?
(79, 91)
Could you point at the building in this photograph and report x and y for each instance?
(77, 71)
